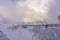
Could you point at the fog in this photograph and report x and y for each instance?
(19, 11)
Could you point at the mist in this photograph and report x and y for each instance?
(20, 11)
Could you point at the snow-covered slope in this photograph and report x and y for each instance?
(35, 33)
(19, 34)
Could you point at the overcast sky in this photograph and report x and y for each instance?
(16, 11)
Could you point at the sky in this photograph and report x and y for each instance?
(27, 11)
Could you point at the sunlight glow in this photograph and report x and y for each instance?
(37, 11)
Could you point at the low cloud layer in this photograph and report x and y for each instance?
(18, 11)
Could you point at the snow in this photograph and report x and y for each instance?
(19, 34)
(31, 33)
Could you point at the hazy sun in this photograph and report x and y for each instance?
(36, 11)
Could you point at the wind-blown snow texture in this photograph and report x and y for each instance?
(34, 33)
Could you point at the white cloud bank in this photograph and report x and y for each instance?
(28, 11)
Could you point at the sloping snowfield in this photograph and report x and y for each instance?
(30, 33)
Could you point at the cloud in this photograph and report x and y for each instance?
(37, 9)
(53, 13)
(18, 11)
(43, 9)
(29, 10)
